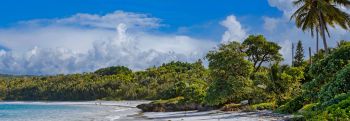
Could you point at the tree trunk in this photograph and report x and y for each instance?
(293, 55)
(324, 39)
(258, 67)
(322, 32)
(310, 60)
(317, 33)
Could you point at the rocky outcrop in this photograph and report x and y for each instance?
(168, 107)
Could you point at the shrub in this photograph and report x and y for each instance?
(169, 101)
(193, 92)
(341, 84)
(336, 112)
(170, 105)
(264, 106)
(292, 106)
(308, 107)
(333, 101)
(114, 70)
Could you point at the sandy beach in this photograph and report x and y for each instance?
(127, 111)
(135, 114)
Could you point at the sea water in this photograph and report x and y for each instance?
(33, 111)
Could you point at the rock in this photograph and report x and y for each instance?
(163, 107)
(244, 102)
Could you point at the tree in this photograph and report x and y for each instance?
(343, 43)
(284, 81)
(259, 50)
(230, 74)
(318, 14)
(299, 55)
(113, 70)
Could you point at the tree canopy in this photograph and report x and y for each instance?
(299, 55)
(230, 74)
(259, 50)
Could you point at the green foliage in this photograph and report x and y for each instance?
(341, 84)
(327, 95)
(232, 90)
(343, 43)
(308, 107)
(299, 55)
(259, 50)
(175, 79)
(114, 70)
(114, 83)
(284, 82)
(324, 73)
(229, 72)
(336, 112)
(193, 93)
(264, 106)
(261, 91)
(169, 101)
(2, 90)
(279, 83)
(291, 106)
(335, 100)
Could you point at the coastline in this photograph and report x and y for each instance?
(126, 110)
(80, 110)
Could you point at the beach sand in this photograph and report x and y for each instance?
(127, 111)
(215, 115)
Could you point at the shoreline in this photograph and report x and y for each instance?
(126, 110)
(102, 103)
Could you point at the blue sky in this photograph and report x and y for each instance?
(201, 16)
(72, 36)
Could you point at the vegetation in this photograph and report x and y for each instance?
(249, 72)
(264, 106)
(244, 76)
(114, 83)
(230, 74)
(299, 56)
(326, 97)
(259, 50)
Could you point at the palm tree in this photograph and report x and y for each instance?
(317, 15)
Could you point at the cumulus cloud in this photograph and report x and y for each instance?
(286, 6)
(235, 31)
(87, 42)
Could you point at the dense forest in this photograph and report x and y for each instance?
(317, 88)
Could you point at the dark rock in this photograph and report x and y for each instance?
(163, 107)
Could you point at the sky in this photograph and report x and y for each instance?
(44, 37)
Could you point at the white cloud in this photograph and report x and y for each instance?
(286, 50)
(109, 21)
(270, 24)
(286, 6)
(235, 31)
(87, 42)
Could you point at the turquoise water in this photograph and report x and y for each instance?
(56, 112)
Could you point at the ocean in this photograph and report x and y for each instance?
(63, 111)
